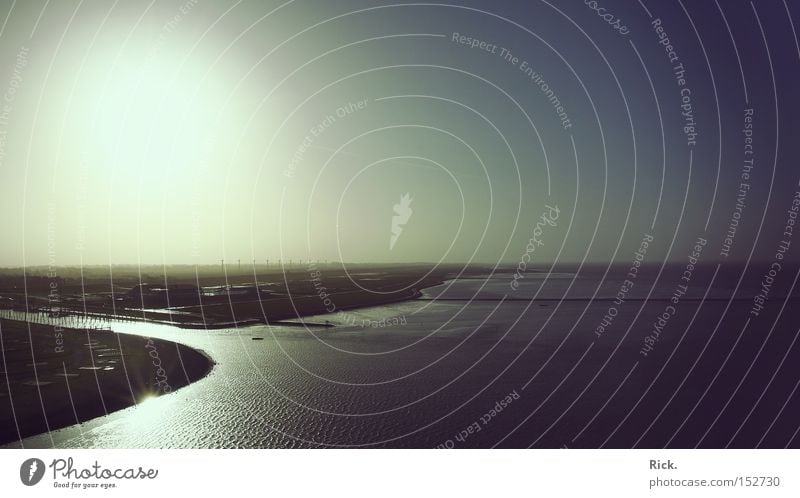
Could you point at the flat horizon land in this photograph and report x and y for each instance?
(207, 296)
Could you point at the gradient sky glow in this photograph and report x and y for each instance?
(190, 131)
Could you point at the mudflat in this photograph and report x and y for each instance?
(56, 377)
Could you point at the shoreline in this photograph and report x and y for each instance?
(59, 377)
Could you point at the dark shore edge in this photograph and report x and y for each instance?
(93, 397)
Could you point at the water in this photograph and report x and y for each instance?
(474, 364)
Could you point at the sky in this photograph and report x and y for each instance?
(185, 132)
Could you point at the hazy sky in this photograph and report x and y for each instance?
(190, 131)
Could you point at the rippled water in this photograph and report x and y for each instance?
(420, 373)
